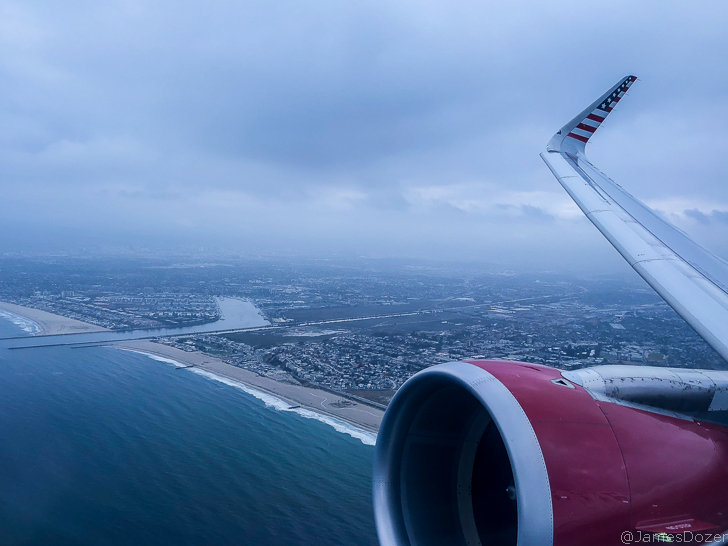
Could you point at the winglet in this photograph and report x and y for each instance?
(573, 136)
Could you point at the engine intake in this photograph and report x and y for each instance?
(454, 465)
(508, 453)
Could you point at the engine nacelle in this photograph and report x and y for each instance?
(511, 453)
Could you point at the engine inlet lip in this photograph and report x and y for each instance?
(535, 511)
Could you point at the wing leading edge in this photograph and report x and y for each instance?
(692, 280)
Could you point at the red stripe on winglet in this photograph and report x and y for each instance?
(594, 117)
(578, 137)
(585, 127)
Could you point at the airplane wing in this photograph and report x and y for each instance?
(692, 280)
(496, 452)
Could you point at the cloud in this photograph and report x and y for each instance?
(493, 200)
(720, 216)
(383, 122)
(695, 214)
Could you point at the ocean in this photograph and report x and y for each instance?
(102, 446)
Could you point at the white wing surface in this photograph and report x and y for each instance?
(692, 280)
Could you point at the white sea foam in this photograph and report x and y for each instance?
(368, 438)
(25, 324)
(164, 359)
(156, 357)
(270, 401)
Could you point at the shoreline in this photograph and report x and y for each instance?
(37, 322)
(344, 414)
(298, 398)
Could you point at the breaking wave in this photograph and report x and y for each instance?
(367, 438)
(154, 357)
(23, 323)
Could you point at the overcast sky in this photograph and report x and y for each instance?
(378, 127)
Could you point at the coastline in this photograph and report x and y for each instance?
(342, 413)
(303, 400)
(47, 323)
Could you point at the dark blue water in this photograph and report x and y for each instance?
(102, 446)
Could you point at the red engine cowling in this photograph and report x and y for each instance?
(510, 453)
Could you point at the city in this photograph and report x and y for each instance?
(361, 328)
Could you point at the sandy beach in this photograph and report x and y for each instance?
(319, 401)
(49, 323)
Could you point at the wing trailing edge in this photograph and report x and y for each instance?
(692, 280)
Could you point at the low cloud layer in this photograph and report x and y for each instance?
(387, 128)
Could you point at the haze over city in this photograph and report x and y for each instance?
(301, 273)
(364, 128)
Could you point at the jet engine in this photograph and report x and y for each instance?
(506, 453)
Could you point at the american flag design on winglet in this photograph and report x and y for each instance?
(585, 129)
